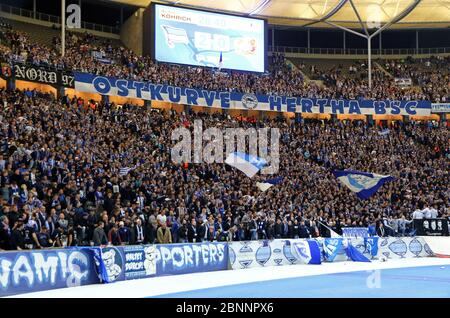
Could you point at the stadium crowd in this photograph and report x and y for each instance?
(75, 175)
(87, 53)
(71, 174)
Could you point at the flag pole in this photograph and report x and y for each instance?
(331, 231)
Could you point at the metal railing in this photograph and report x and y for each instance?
(341, 51)
(55, 19)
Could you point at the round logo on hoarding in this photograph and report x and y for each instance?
(399, 248)
(288, 253)
(428, 250)
(250, 101)
(245, 248)
(113, 262)
(263, 254)
(415, 247)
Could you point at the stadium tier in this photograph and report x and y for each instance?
(106, 151)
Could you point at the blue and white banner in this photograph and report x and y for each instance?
(230, 100)
(371, 245)
(403, 247)
(355, 232)
(331, 248)
(263, 253)
(440, 108)
(129, 262)
(307, 251)
(30, 271)
(362, 183)
(172, 259)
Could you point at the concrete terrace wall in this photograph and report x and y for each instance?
(131, 33)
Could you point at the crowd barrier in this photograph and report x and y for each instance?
(29, 271)
(37, 270)
(173, 259)
(247, 254)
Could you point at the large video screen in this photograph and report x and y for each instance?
(202, 38)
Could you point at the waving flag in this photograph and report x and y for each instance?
(220, 61)
(248, 164)
(353, 253)
(371, 245)
(363, 183)
(263, 186)
(384, 132)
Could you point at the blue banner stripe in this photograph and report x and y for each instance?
(223, 99)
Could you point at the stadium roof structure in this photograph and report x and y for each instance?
(365, 18)
(352, 14)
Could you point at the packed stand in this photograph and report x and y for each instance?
(87, 53)
(432, 75)
(78, 174)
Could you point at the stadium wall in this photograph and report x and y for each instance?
(131, 32)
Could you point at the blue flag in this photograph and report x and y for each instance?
(248, 164)
(307, 251)
(220, 61)
(331, 248)
(362, 183)
(355, 255)
(96, 254)
(371, 245)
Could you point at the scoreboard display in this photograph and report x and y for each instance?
(202, 38)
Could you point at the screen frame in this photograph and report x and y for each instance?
(153, 45)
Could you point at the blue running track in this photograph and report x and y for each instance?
(414, 282)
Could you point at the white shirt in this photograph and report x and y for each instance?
(417, 214)
(161, 218)
(433, 213)
(426, 213)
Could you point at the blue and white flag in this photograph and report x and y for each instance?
(353, 253)
(384, 132)
(96, 254)
(264, 186)
(363, 183)
(371, 245)
(307, 251)
(351, 232)
(248, 164)
(331, 248)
